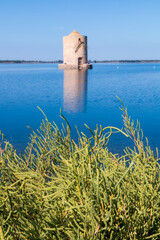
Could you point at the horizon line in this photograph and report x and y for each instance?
(93, 61)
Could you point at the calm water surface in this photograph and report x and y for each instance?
(84, 97)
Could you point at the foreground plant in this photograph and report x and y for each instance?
(59, 189)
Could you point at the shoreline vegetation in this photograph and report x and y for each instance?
(59, 189)
(90, 61)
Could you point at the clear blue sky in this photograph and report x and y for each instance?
(116, 29)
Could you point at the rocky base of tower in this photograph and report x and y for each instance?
(69, 66)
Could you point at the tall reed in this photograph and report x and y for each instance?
(60, 189)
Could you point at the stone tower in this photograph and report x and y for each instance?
(75, 52)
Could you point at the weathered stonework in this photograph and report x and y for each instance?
(75, 52)
(70, 67)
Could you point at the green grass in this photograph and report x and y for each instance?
(59, 189)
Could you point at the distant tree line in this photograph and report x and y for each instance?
(124, 61)
(24, 61)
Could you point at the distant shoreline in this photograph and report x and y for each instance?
(126, 61)
(90, 61)
(25, 61)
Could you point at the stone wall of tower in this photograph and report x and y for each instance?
(75, 52)
(70, 51)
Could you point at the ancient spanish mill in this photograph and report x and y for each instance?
(75, 52)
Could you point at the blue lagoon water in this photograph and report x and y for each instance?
(84, 97)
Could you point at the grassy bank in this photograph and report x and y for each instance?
(59, 189)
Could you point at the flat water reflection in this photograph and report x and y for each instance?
(75, 90)
(84, 97)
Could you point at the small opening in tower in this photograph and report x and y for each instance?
(80, 63)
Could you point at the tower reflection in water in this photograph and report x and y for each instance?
(75, 90)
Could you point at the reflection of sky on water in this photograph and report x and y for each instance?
(75, 90)
(84, 97)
